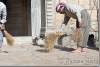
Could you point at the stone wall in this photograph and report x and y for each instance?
(90, 5)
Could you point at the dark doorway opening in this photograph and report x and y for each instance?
(19, 17)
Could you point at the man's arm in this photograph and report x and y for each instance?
(65, 22)
(4, 14)
(66, 19)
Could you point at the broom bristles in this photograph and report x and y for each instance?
(77, 36)
(9, 38)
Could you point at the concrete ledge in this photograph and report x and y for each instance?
(21, 39)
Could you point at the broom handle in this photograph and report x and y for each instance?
(77, 31)
(4, 31)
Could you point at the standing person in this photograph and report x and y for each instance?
(82, 20)
(3, 14)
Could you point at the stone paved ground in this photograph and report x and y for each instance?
(27, 54)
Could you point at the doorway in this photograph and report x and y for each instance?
(19, 17)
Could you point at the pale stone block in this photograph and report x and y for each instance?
(93, 4)
(93, 14)
(84, 4)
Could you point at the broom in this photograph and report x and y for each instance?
(77, 36)
(9, 38)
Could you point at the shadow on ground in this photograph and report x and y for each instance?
(56, 47)
(65, 48)
(97, 49)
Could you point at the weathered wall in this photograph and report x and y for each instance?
(90, 5)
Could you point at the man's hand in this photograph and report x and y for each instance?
(61, 29)
(2, 26)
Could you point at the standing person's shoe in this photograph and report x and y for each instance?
(5, 51)
(2, 51)
(35, 41)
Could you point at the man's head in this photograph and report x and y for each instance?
(60, 8)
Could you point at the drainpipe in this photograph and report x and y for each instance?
(99, 21)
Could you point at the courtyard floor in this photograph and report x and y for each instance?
(28, 55)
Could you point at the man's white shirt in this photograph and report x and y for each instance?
(3, 12)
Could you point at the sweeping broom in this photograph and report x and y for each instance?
(77, 36)
(9, 38)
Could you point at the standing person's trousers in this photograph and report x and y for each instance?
(85, 28)
(1, 39)
(1, 35)
(2, 27)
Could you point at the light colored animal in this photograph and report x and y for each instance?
(50, 40)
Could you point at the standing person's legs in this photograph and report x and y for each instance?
(1, 37)
(86, 27)
(84, 30)
(2, 27)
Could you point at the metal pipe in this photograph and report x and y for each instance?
(99, 22)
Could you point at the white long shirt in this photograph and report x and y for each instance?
(73, 10)
(3, 12)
